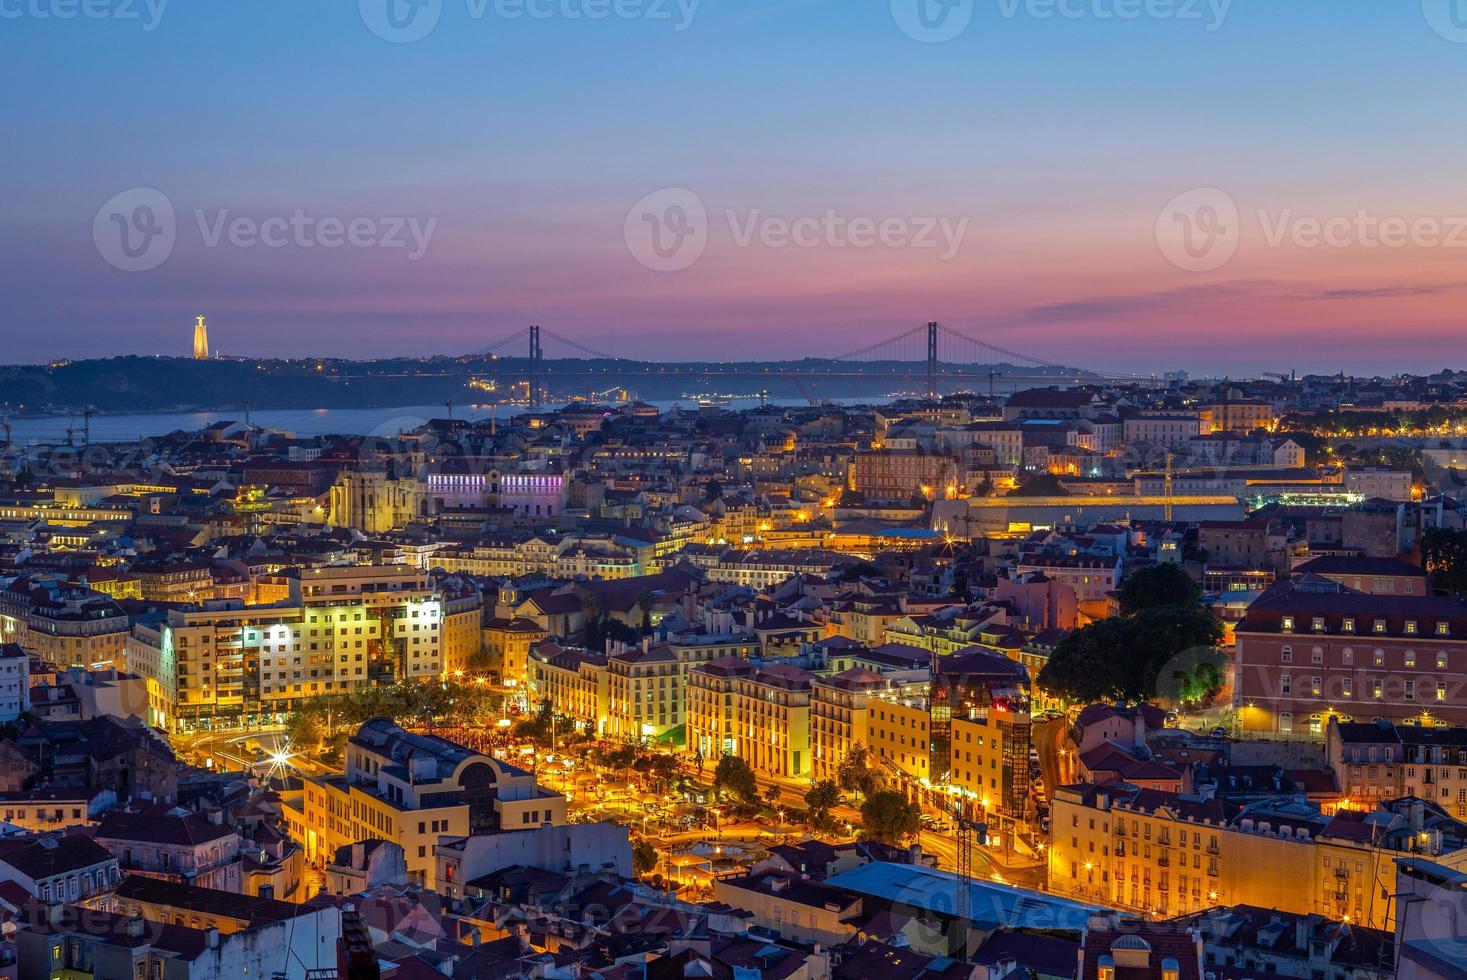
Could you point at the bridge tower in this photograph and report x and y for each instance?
(932, 359)
(537, 364)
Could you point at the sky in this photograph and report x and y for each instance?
(1131, 185)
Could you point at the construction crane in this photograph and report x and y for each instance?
(970, 833)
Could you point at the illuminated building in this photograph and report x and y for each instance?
(63, 624)
(1157, 852)
(416, 790)
(990, 757)
(201, 340)
(506, 647)
(341, 629)
(575, 682)
(839, 709)
(645, 691)
(760, 714)
(1310, 649)
(900, 474)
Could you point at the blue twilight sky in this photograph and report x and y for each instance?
(533, 156)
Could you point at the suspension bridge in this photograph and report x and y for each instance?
(928, 358)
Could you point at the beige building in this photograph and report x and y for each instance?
(341, 629)
(1156, 852)
(575, 682)
(63, 624)
(761, 715)
(506, 644)
(414, 790)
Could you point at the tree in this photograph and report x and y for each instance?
(888, 816)
(644, 857)
(1158, 585)
(821, 799)
(771, 795)
(1041, 485)
(1125, 657)
(1444, 553)
(734, 778)
(855, 773)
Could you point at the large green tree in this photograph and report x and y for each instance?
(1444, 553)
(856, 774)
(1158, 585)
(1129, 658)
(821, 799)
(734, 778)
(888, 816)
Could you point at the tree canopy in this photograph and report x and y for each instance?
(1131, 658)
(888, 816)
(734, 778)
(1158, 585)
(1444, 553)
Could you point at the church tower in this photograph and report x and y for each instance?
(201, 340)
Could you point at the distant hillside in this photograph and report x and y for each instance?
(141, 384)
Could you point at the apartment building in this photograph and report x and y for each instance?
(1380, 761)
(1311, 649)
(839, 712)
(990, 757)
(645, 692)
(760, 714)
(340, 629)
(64, 624)
(414, 790)
(900, 474)
(575, 682)
(1158, 852)
(506, 644)
(159, 841)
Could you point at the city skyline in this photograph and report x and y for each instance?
(1019, 181)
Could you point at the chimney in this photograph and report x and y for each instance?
(1418, 815)
(1301, 933)
(135, 926)
(211, 937)
(1140, 727)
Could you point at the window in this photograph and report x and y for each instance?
(1443, 629)
(1411, 627)
(1347, 625)
(1286, 655)
(1288, 624)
